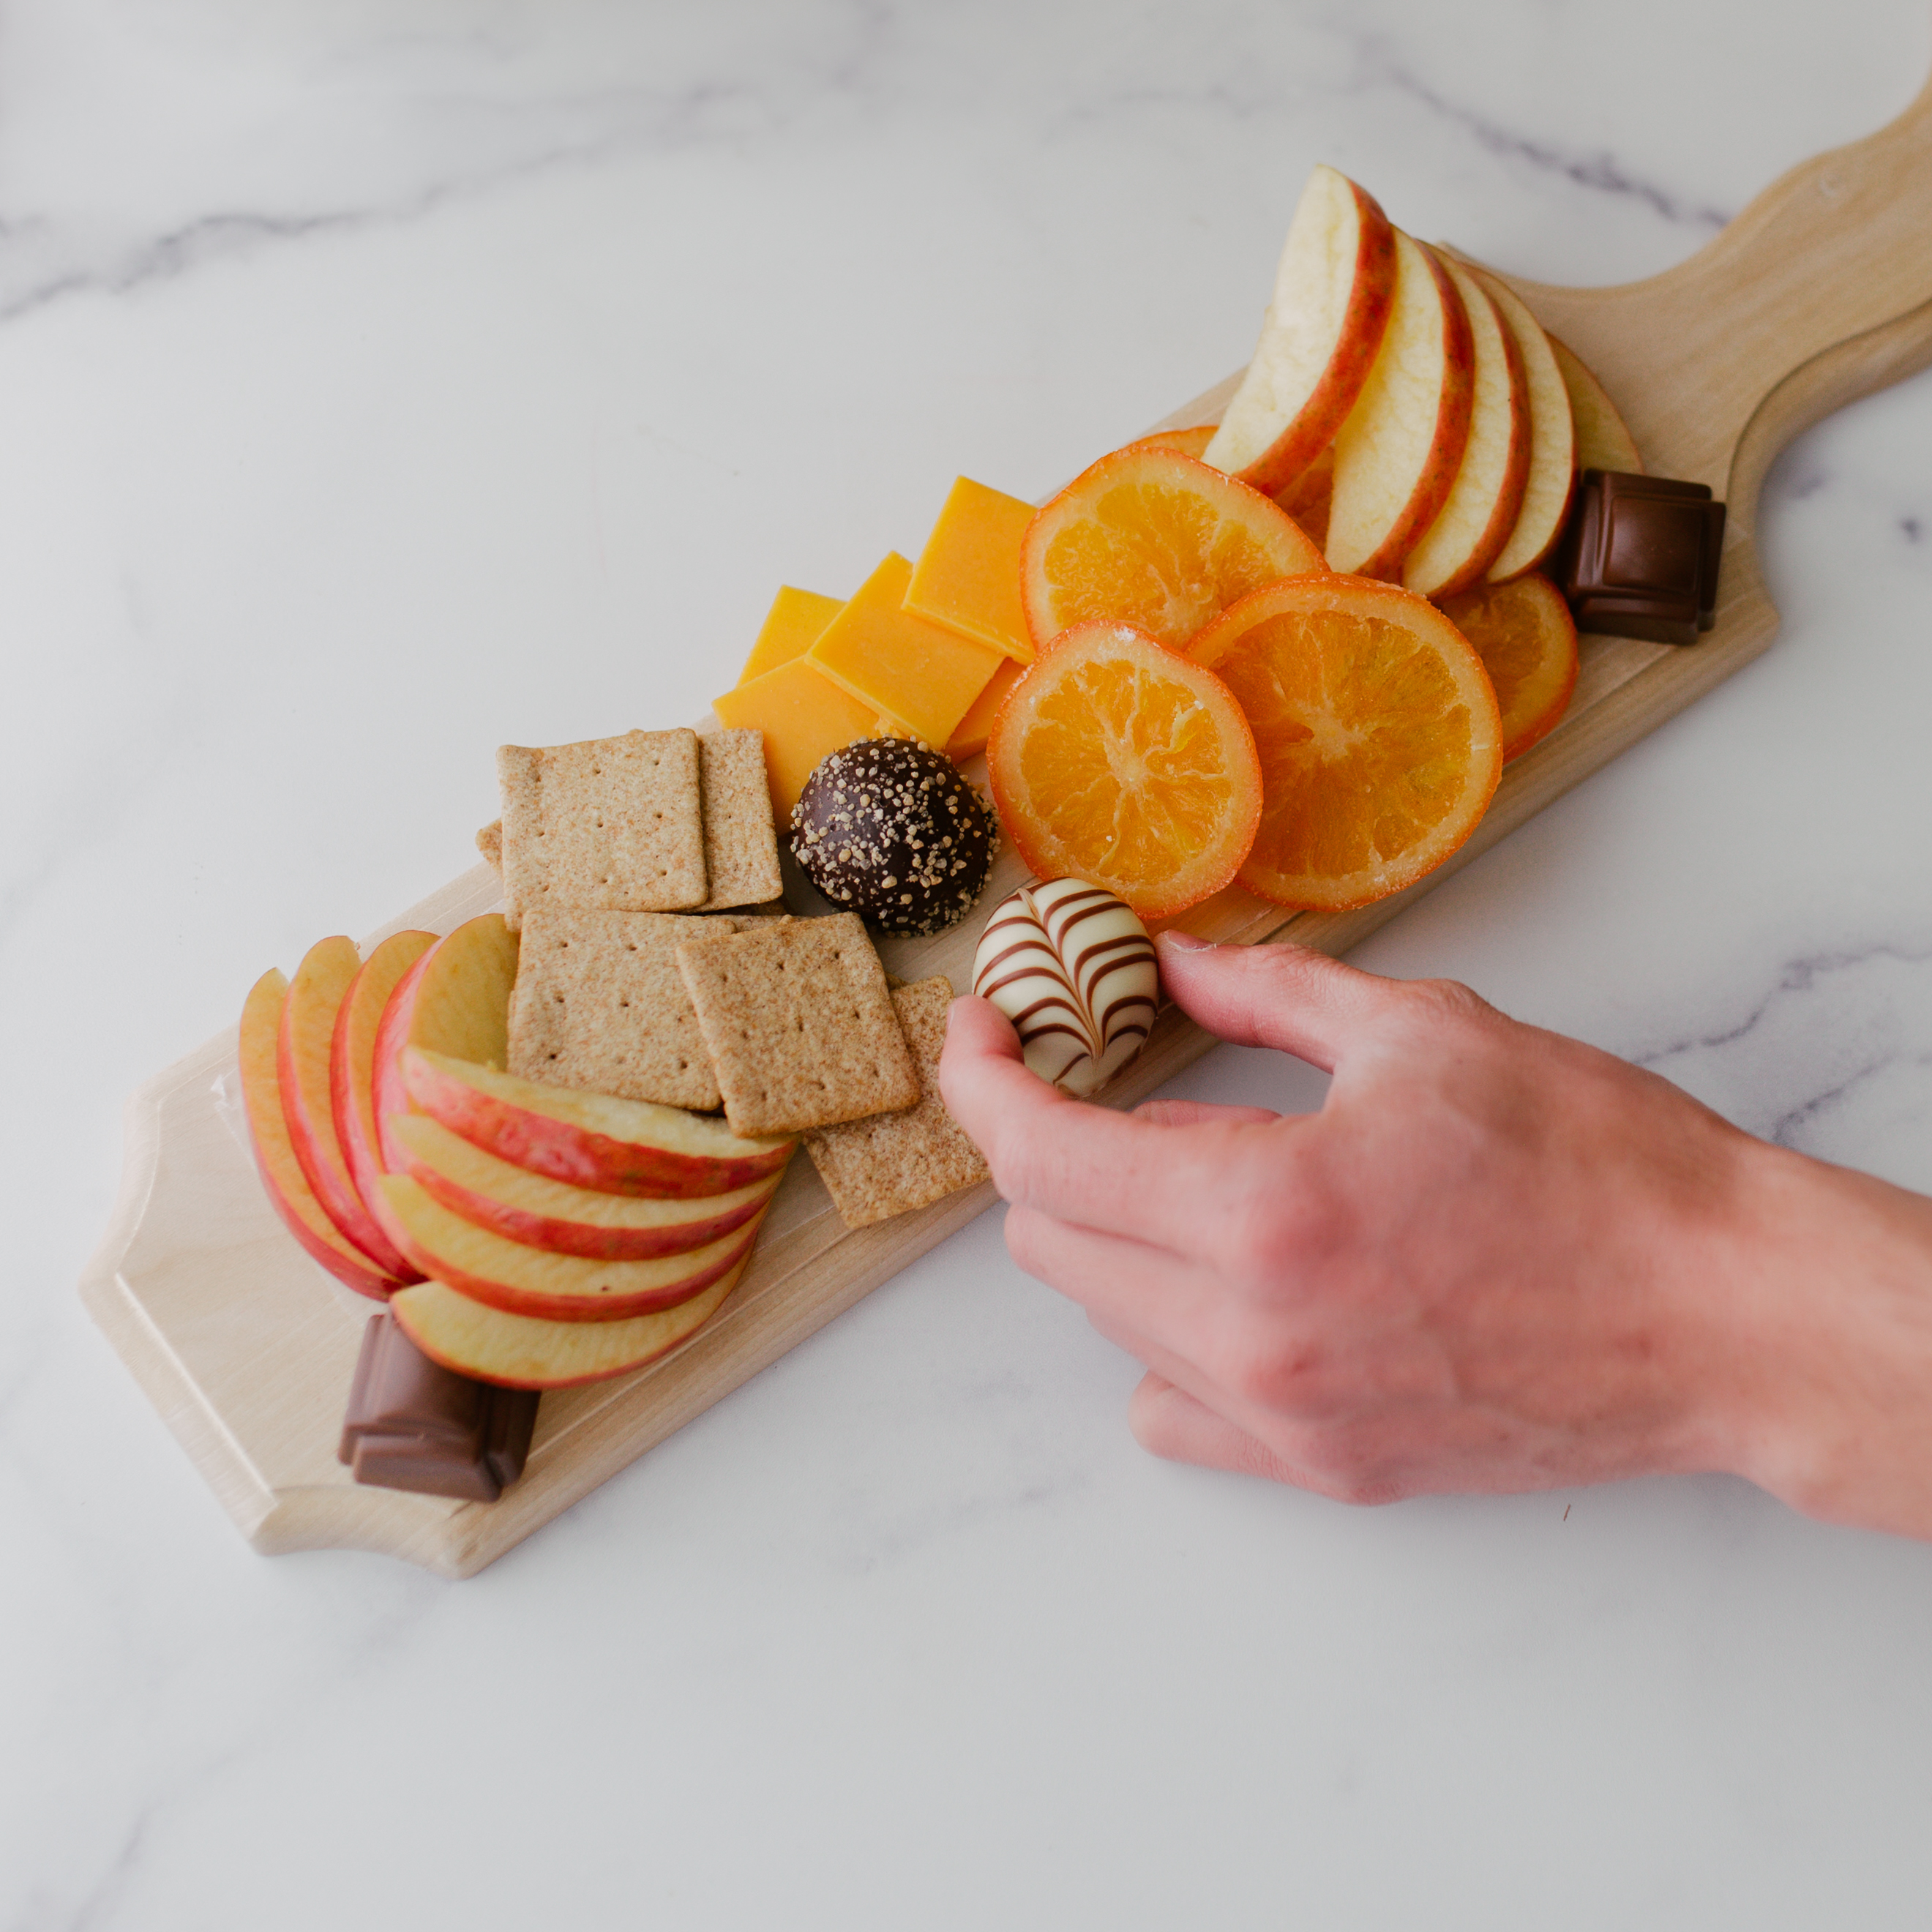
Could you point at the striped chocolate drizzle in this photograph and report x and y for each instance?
(1074, 970)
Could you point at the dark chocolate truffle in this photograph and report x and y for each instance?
(889, 829)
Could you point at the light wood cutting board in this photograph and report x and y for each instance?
(1819, 291)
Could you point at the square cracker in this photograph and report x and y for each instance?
(800, 1026)
(600, 1006)
(741, 844)
(490, 843)
(608, 825)
(893, 1162)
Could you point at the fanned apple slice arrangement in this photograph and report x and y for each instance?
(1349, 561)
(525, 1234)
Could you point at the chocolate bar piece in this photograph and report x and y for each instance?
(1639, 559)
(412, 1424)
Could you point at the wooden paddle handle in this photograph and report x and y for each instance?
(1819, 291)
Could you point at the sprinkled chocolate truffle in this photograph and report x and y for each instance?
(888, 829)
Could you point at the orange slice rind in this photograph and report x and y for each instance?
(1151, 537)
(1117, 761)
(1378, 731)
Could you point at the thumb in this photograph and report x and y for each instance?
(1286, 997)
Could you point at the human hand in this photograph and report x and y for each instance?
(1495, 1260)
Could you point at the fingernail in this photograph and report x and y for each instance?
(1186, 942)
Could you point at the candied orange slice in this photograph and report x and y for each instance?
(1523, 632)
(1190, 442)
(1117, 761)
(1379, 737)
(1150, 537)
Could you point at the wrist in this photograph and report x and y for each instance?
(1825, 1395)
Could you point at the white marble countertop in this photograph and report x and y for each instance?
(381, 382)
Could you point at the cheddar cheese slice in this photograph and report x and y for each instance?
(968, 575)
(804, 717)
(791, 628)
(976, 727)
(921, 673)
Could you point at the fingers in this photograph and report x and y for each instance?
(1082, 1164)
(1169, 1423)
(1286, 997)
(1150, 1287)
(1193, 1113)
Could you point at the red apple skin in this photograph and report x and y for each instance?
(367, 1280)
(1509, 499)
(282, 1180)
(565, 1151)
(574, 1307)
(365, 1160)
(1454, 401)
(1327, 406)
(365, 1166)
(574, 1238)
(406, 1320)
(391, 1094)
(333, 1188)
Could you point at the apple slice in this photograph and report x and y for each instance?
(519, 1351)
(351, 1056)
(1485, 500)
(1396, 457)
(1552, 440)
(554, 1288)
(302, 1055)
(1603, 440)
(591, 1140)
(1334, 291)
(289, 1191)
(455, 999)
(524, 1206)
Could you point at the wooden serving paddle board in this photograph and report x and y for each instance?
(1819, 292)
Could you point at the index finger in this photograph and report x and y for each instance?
(1067, 1158)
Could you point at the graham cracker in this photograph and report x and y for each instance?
(741, 844)
(893, 1163)
(608, 825)
(800, 1026)
(599, 1005)
(490, 843)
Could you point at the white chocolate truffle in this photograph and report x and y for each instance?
(1073, 969)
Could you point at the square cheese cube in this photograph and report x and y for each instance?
(919, 673)
(791, 628)
(968, 575)
(803, 716)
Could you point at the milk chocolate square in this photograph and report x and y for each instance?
(412, 1424)
(1640, 557)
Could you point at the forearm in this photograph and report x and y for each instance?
(1829, 1402)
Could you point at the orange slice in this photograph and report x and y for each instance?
(1379, 737)
(1153, 538)
(1190, 442)
(1117, 761)
(1523, 633)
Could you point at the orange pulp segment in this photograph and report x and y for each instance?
(968, 577)
(1379, 734)
(1116, 761)
(1524, 633)
(1150, 537)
